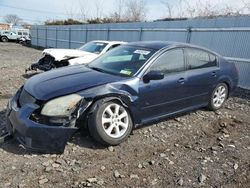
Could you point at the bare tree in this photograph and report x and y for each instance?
(135, 10)
(190, 10)
(12, 19)
(99, 8)
(83, 10)
(180, 8)
(71, 11)
(206, 9)
(118, 15)
(120, 8)
(169, 7)
(246, 6)
(25, 25)
(209, 9)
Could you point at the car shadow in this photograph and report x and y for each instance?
(242, 93)
(83, 139)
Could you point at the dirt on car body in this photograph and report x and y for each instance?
(201, 148)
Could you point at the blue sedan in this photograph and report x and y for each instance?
(129, 86)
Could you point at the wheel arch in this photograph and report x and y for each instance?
(228, 82)
(4, 36)
(125, 101)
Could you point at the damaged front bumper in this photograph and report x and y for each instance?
(4, 135)
(33, 135)
(47, 63)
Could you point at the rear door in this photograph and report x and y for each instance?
(202, 71)
(161, 97)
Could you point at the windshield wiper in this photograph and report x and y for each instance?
(97, 69)
(103, 71)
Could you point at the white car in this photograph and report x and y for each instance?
(55, 58)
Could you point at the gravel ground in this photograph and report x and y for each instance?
(198, 149)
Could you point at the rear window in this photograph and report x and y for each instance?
(197, 59)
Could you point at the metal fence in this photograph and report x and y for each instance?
(227, 36)
(243, 66)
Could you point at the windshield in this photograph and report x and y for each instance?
(94, 47)
(123, 60)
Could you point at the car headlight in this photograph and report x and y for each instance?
(61, 106)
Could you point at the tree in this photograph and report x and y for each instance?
(69, 21)
(70, 11)
(202, 8)
(120, 4)
(99, 8)
(136, 10)
(83, 10)
(210, 10)
(246, 6)
(169, 8)
(25, 25)
(118, 15)
(12, 19)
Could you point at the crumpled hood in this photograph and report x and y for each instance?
(60, 54)
(65, 81)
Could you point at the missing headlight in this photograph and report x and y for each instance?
(54, 121)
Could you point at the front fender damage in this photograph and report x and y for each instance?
(47, 63)
(126, 94)
(51, 135)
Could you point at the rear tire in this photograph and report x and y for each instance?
(218, 97)
(110, 123)
(4, 39)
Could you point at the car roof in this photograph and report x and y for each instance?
(157, 45)
(110, 42)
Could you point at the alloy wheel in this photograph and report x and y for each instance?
(115, 120)
(219, 97)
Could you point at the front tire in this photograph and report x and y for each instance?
(218, 97)
(110, 123)
(4, 39)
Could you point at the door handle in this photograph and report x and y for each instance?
(181, 81)
(214, 74)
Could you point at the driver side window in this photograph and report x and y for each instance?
(170, 62)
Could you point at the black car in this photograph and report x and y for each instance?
(129, 86)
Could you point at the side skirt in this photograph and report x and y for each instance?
(162, 117)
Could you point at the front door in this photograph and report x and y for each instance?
(161, 97)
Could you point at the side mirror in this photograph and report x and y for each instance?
(153, 75)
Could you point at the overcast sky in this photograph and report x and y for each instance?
(37, 11)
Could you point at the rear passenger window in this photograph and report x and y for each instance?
(170, 62)
(197, 59)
